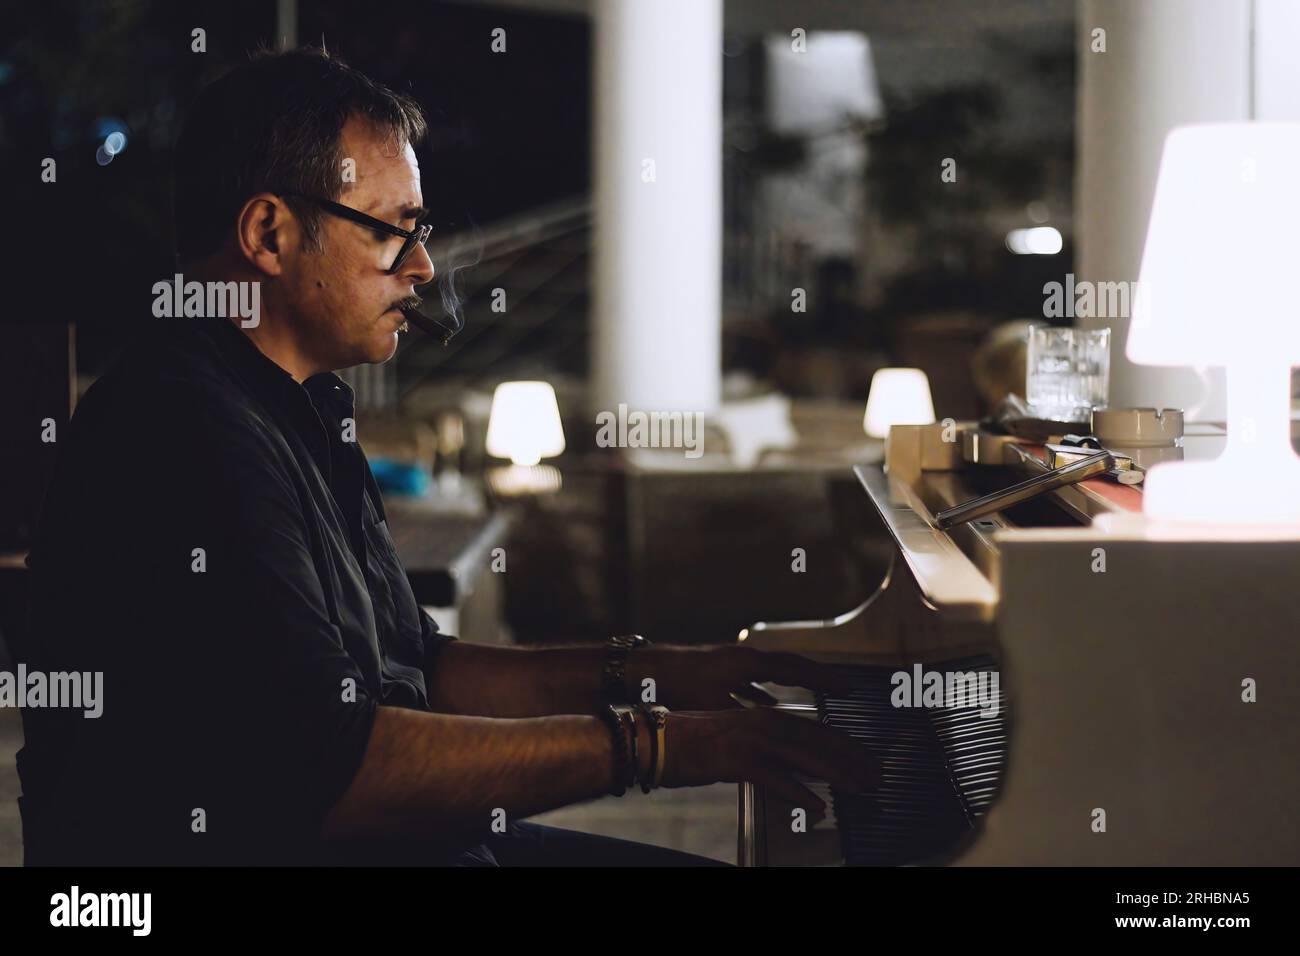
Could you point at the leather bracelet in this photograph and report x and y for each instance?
(614, 720)
(656, 716)
(647, 784)
(614, 675)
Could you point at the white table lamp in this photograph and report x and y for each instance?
(899, 396)
(524, 426)
(1217, 288)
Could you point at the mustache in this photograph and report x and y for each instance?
(406, 304)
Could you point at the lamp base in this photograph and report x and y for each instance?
(1230, 490)
(514, 481)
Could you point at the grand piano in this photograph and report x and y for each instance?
(1147, 707)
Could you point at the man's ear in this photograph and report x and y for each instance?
(265, 232)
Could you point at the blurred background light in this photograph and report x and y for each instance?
(1038, 241)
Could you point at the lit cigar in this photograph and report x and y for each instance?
(440, 328)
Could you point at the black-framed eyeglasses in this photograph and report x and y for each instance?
(412, 238)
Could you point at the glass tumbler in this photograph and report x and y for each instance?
(1068, 372)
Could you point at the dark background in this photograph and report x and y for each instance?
(506, 132)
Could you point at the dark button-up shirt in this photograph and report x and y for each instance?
(215, 546)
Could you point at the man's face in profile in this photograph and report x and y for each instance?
(344, 299)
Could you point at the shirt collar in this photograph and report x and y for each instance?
(271, 382)
(329, 392)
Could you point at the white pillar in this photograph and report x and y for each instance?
(286, 24)
(1167, 62)
(657, 307)
(1277, 68)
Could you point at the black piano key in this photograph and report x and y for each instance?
(940, 767)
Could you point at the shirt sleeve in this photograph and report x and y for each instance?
(434, 640)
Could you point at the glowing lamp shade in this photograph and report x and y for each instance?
(899, 396)
(524, 424)
(1217, 288)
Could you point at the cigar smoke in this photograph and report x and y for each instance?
(460, 255)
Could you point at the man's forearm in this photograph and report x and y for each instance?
(435, 775)
(516, 681)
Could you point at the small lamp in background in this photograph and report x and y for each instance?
(899, 396)
(524, 426)
(1217, 288)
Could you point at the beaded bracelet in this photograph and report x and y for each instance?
(613, 675)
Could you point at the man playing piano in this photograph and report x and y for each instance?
(272, 691)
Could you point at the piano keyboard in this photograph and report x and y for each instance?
(940, 769)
